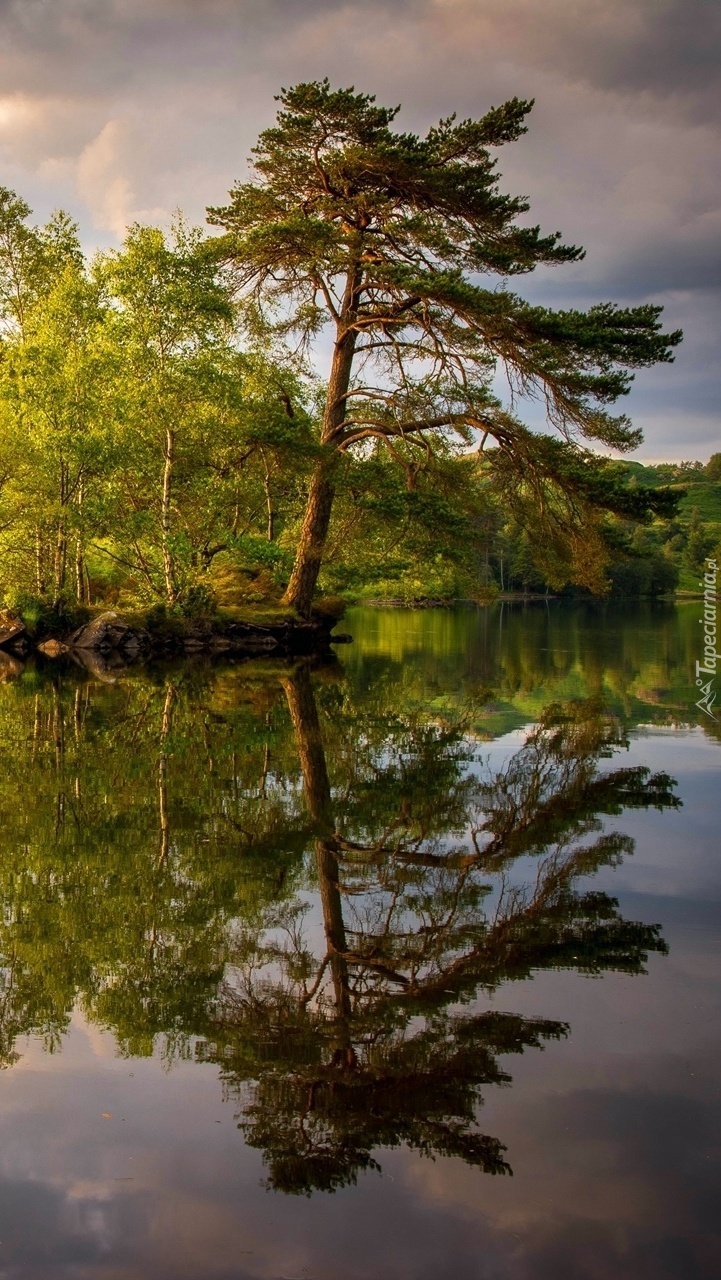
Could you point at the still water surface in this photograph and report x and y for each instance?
(405, 967)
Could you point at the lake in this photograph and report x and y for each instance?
(401, 966)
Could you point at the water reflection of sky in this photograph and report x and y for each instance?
(119, 1168)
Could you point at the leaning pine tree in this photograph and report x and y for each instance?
(385, 236)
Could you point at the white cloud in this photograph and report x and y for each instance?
(104, 184)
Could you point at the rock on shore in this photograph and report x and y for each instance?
(109, 634)
(119, 642)
(13, 633)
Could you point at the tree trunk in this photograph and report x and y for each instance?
(164, 820)
(313, 534)
(79, 573)
(316, 786)
(61, 560)
(171, 590)
(316, 521)
(270, 527)
(82, 583)
(39, 574)
(61, 540)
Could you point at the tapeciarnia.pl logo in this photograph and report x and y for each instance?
(710, 654)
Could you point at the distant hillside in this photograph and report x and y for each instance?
(681, 543)
(697, 488)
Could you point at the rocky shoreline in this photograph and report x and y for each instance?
(109, 641)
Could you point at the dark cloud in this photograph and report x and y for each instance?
(130, 108)
(672, 50)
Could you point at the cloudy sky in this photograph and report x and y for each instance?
(129, 109)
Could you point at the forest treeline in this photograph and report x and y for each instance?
(167, 441)
(654, 558)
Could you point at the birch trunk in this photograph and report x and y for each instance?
(171, 589)
(61, 540)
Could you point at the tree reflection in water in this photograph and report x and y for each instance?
(190, 859)
(367, 1042)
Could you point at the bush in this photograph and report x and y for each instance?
(329, 608)
(198, 601)
(44, 618)
(235, 584)
(161, 621)
(650, 575)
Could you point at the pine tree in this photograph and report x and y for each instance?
(384, 235)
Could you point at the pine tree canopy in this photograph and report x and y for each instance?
(389, 235)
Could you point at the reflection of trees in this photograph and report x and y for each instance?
(639, 654)
(355, 1045)
(134, 831)
(190, 858)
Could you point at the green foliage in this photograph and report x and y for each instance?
(703, 498)
(699, 542)
(198, 601)
(382, 235)
(44, 618)
(647, 575)
(251, 553)
(137, 441)
(160, 444)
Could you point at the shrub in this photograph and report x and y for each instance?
(44, 618)
(329, 608)
(198, 601)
